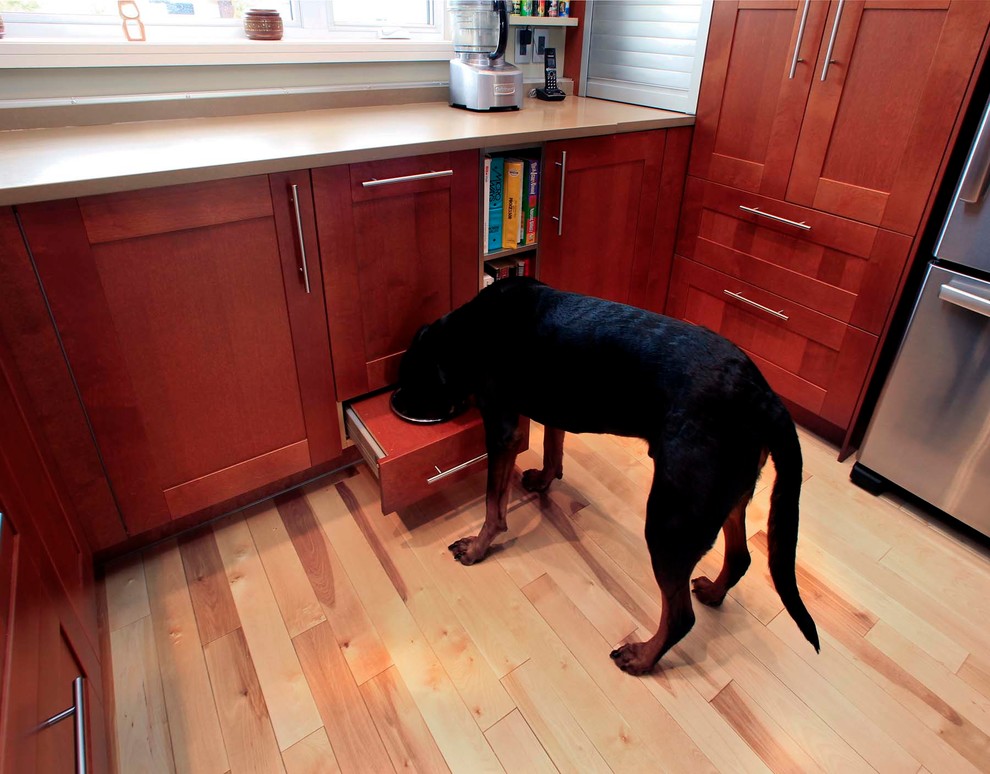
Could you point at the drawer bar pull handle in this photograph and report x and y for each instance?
(762, 214)
(444, 473)
(800, 38)
(406, 178)
(739, 296)
(302, 242)
(78, 714)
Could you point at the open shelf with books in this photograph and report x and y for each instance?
(510, 213)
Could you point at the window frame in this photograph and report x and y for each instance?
(221, 42)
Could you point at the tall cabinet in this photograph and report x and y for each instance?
(821, 133)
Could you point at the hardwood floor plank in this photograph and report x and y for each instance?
(857, 728)
(761, 733)
(312, 755)
(930, 731)
(356, 635)
(867, 582)
(197, 742)
(969, 703)
(663, 733)
(143, 741)
(451, 723)
(477, 684)
(127, 592)
(300, 608)
(561, 735)
(759, 681)
(290, 703)
(517, 747)
(975, 671)
(247, 728)
(216, 614)
(493, 609)
(352, 733)
(407, 739)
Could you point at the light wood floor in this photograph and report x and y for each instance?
(315, 634)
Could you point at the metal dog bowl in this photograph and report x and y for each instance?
(403, 410)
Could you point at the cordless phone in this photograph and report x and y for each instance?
(550, 90)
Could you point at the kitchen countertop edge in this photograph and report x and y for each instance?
(47, 164)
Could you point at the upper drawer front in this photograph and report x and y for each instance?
(399, 177)
(841, 268)
(130, 214)
(811, 359)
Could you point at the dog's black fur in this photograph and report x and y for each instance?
(583, 365)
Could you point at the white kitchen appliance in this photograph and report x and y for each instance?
(480, 78)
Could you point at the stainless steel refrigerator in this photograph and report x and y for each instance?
(930, 433)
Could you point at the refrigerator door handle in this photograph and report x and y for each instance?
(965, 298)
(977, 170)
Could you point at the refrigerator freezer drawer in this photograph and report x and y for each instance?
(930, 433)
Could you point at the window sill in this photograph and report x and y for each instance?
(26, 53)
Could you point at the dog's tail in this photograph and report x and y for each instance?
(782, 528)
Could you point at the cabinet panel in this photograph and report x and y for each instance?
(841, 268)
(596, 225)
(813, 360)
(196, 346)
(878, 122)
(750, 106)
(395, 255)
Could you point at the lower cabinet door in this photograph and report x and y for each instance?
(815, 361)
(194, 323)
(414, 461)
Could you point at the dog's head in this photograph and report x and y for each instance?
(425, 378)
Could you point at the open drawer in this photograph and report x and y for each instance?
(413, 461)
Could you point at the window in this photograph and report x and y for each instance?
(218, 20)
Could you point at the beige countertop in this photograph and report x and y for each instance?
(41, 164)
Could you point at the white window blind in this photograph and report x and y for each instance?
(646, 52)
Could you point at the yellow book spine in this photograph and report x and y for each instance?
(512, 204)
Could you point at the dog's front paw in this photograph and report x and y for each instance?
(467, 550)
(707, 592)
(634, 658)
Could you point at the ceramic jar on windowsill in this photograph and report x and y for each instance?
(263, 24)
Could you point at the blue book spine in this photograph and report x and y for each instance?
(495, 204)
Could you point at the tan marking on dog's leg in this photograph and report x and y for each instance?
(469, 550)
(553, 462)
(676, 620)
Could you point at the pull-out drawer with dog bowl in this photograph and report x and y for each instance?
(412, 461)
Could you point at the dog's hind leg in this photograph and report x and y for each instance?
(553, 462)
(737, 558)
(736, 562)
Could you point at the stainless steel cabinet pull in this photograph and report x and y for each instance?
(831, 40)
(444, 473)
(965, 299)
(800, 38)
(406, 178)
(977, 170)
(302, 242)
(78, 713)
(559, 217)
(757, 211)
(740, 297)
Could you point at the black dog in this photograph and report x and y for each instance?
(584, 365)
